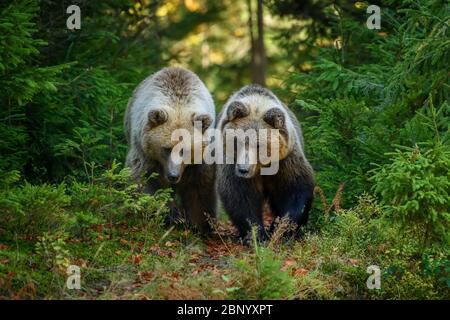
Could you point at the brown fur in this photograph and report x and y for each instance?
(289, 192)
(171, 99)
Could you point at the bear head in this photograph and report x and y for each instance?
(159, 143)
(261, 133)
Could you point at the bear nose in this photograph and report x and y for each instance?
(173, 177)
(243, 169)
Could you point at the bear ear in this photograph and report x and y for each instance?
(205, 119)
(237, 110)
(157, 117)
(275, 118)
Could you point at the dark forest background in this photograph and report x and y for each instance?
(374, 110)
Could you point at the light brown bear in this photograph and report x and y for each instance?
(242, 188)
(172, 99)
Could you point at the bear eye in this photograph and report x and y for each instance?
(167, 150)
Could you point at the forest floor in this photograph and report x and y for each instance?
(179, 265)
(125, 262)
(132, 259)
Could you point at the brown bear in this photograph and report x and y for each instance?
(172, 98)
(242, 188)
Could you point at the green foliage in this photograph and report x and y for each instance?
(21, 79)
(52, 249)
(112, 197)
(369, 91)
(337, 144)
(358, 238)
(42, 227)
(416, 188)
(29, 210)
(259, 276)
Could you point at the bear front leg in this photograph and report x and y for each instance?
(294, 204)
(198, 197)
(200, 209)
(175, 215)
(243, 203)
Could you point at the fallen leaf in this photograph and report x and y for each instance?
(155, 249)
(146, 275)
(216, 271)
(140, 245)
(353, 262)
(287, 264)
(299, 272)
(98, 227)
(136, 258)
(80, 262)
(169, 244)
(175, 276)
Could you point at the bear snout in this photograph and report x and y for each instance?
(245, 170)
(173, 177)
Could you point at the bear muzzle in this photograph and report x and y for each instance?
(173, 177)
(174, 171)
(246, 170)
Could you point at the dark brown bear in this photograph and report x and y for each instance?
(242, 188)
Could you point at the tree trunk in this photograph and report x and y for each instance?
(258, 50)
